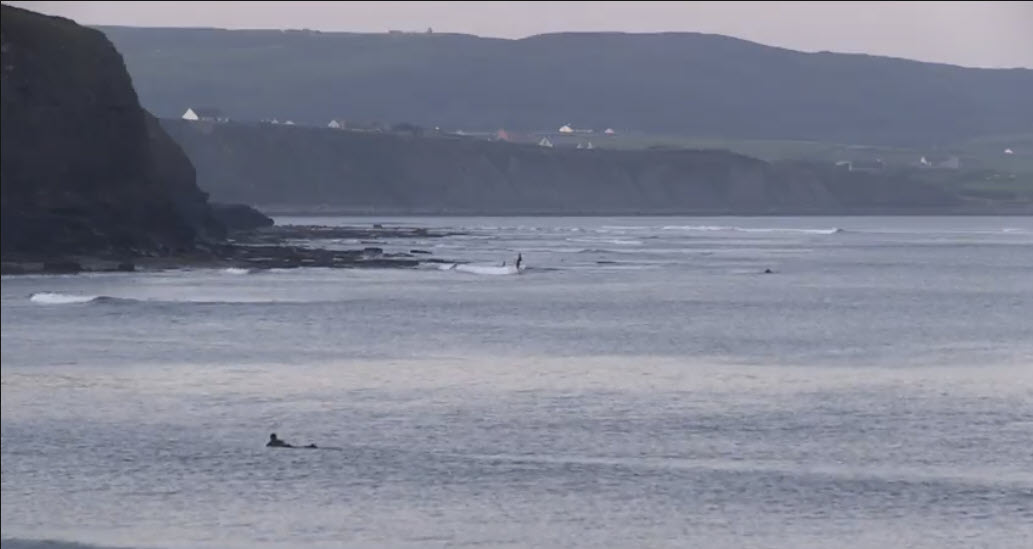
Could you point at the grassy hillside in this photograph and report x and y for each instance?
(676, 84)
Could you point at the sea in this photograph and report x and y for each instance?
(641, 382)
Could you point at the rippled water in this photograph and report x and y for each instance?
(641, 384)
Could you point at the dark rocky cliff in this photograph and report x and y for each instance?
(85, 169)
(296, 169)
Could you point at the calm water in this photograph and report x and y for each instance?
(641, 384)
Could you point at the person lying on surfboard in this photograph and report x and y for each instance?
(279, 443)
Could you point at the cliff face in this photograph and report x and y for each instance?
(294, 168)
(85, 169)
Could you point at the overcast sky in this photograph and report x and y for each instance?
(978, 34)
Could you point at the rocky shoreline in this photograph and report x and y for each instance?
(276, 247)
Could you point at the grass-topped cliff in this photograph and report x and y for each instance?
(292, 168)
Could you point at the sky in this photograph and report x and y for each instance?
(974, 34)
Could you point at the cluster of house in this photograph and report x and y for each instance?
(205, 114)
(211, 114)
(566, 135)
(941, 162)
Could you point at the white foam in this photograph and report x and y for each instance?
(236, 271)
(488, 269)
(475, 269)
(614, 241)
(833, 230)
(54, 298)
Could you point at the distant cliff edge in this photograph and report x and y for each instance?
(296, 169)
(86, 171)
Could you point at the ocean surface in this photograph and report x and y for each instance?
(641, 383)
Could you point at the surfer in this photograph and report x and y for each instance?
(275, 442)
(520, 260)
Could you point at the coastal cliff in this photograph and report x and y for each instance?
(86, 171)
(297, 169)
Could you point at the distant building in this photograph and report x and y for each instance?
(206, 114)
(609, 131)
(337, 124)
(545, 143)
(1009, 151)
(566, 129)
(289, 122)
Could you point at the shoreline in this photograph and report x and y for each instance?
(259, 249)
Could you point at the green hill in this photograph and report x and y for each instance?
(675, 83)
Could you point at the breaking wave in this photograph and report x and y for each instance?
(479, 269)
(55, 298)
(614, 241)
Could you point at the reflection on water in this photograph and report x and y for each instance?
(875, 391)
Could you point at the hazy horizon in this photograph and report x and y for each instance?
(974, 34)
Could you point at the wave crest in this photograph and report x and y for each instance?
(57, 298)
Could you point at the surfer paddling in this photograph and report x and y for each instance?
(275, 442)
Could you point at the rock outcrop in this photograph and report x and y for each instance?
(240, 217)
(86, 171)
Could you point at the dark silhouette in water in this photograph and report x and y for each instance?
(275, 442)
(519, 261)
(768, 271)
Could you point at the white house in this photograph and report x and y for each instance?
(337, 124)
(206, 114)
(609, 131)
(1009, 151)
(566, 129)
(545, 143)
(289, 122)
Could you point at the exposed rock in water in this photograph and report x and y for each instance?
(85, 170)
(240, 217)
